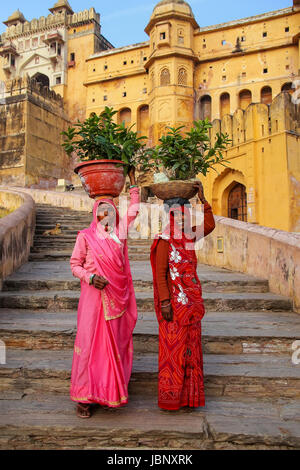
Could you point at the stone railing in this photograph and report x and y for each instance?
(16, 231)
(256, 250)
(71, 200)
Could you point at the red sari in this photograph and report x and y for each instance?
(180, 374)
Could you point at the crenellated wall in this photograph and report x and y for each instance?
(43, 23)
(260, 120)
(264, 157)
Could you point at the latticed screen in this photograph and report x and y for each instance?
(237, 203)
(165, 77)
(182, 76)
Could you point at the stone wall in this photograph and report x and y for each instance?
(32, 118)
(259, 251)
(16, 231)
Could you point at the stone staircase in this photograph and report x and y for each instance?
(252, 387)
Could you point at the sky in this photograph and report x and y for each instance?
(123, 23)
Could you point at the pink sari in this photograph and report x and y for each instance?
(103, 350)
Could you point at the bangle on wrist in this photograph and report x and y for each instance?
(92, 278)
(133, 186)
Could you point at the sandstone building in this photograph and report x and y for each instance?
(242, 75)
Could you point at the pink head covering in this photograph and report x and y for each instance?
(111, 261)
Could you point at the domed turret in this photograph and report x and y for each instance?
(14, 19)
(171, 8)
(174, 4)
(62, 5)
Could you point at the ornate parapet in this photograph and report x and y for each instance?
(44, 23)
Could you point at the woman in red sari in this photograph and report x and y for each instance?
(179, 306)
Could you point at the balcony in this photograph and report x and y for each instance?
(9, 54)
(54, 37)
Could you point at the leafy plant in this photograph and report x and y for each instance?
(99, 137)
(183, 157)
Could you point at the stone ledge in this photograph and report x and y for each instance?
(259, 251)
(77, 202)
(16, 231)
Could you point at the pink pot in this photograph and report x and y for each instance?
(102, 177)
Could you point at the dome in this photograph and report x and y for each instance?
(16, 17)
(174, 3)
(61, 4)
(168, 8)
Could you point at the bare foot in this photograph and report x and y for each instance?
(83, 410)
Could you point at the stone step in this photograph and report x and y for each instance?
(259, 376)
(66, 229)
(222, 333)
(65, 212)
(74, 284)
(37, 275)
(65, 251)
(63, 220)
(70, 240)
(68, 244)
(70, 284)
(41, 422)
(63, 254)
(60, 300)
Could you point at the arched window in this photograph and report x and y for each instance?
(224, 104)
(143, 120)
(266, 95)
(288, 87)
(125, 116)
(237, 203)
(205, 107)
(182, 76)
(245, 98)
(42, 79)
(165, 77)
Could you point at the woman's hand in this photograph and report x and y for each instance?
(166, 310)
(201, 196)
(131, 174)
(99, 282)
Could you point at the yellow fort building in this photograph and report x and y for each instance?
(243, 75)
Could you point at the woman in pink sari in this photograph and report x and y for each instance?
(107, 312)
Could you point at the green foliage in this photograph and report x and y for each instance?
(186, 156)
(99, 137)
(183, 157)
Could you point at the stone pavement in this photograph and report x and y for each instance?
(252, 387)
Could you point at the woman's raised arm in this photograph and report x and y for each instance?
(78, 259)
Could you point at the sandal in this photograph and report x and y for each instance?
(83, 410)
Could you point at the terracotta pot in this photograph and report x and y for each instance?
(102, 177)
(171, 189)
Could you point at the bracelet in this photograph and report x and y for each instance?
(92, 278)
(133, 186)
(167, 305)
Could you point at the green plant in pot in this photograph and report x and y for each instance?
(178, 159)
(106, 150)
